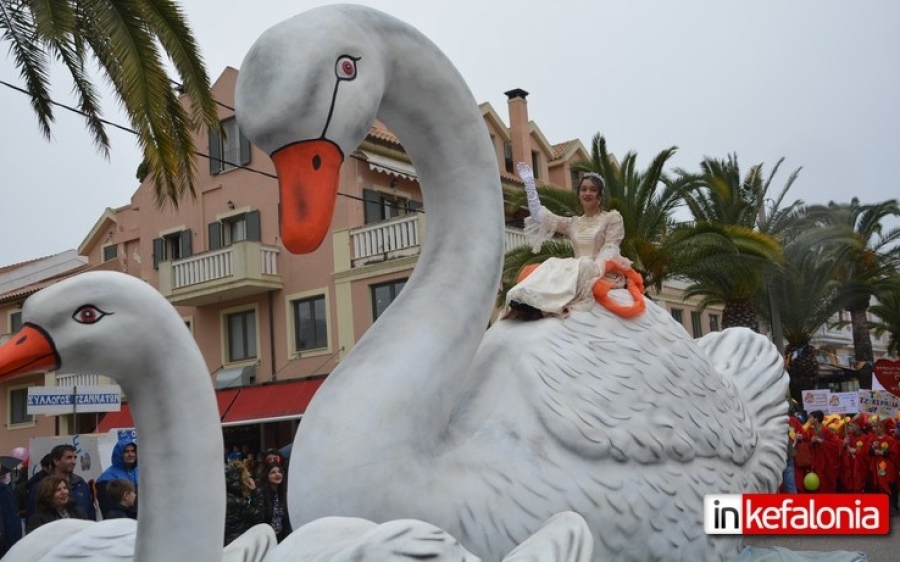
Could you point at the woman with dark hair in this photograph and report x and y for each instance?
(274, 489)
(53, 502)
(560, 285)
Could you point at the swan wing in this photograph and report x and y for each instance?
(36, 544)
(252, 546)
(351, 539)
(565, 537)
(110, 540)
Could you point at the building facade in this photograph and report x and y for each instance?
(271, 325)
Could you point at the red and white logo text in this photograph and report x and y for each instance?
(796, 514)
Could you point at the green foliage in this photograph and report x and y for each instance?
(126, 38)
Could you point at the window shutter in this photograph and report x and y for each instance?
(186, 241)
(253, 227)
(157, 252)
(245, 148)
(372, 206)
(215, 152)
(414, 206)
(215, 235)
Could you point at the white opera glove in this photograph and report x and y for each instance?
(534, 202)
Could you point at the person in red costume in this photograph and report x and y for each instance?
(883, 453)
(825, 450)
(855, 456)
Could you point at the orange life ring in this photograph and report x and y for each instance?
(635, 286)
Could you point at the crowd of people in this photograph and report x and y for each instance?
(256, 490)
(833, 454)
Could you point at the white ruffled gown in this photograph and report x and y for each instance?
(560, 285)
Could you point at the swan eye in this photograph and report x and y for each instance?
(88, 314)
(345, 69)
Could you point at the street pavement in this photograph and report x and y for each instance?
(877, 548)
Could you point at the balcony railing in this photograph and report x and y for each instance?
(243, 269)
(385, 240)
(81, 380)
(400, 237)
(218, 264)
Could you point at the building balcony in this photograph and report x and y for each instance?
(243, 269)
(397, 238)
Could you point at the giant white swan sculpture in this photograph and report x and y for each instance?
(118, 325)
(628, 423)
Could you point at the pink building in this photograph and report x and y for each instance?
(271, 325)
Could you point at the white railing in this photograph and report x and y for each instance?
(383, 238)
(79, 380)
(204, 267)
(269, 255)
(514, 237)
(218, 264)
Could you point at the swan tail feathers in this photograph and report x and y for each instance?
(755, 367)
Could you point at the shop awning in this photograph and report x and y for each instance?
(123, 420)
(271, 402)
(116, 420)
(390, 166)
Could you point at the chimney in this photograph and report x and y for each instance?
(518, 125)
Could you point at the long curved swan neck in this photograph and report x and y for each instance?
(444, 308)
(173, 375)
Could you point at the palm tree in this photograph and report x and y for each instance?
(871, 265)
(806, 294)
(126, 38)
(729, 212)
(887, 313)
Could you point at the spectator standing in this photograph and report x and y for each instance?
(64, 458)
(274, 490)
(26, 495)
(122, 496)
(123, 465)
(53, 501)
(10, 521)
(244, 503)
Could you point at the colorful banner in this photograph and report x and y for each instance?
(879, 402)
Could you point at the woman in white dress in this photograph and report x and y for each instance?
(560, 285)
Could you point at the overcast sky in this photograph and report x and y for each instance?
(814, 81)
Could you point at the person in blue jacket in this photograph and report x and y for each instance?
(124, 465)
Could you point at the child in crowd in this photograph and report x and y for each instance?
(122, 496)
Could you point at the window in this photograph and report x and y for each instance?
(384, 294)
(696, 326)
(310, 323)
(507, 157)
(678, 315)
(713, 322)
(110, 252)
(230, 151)
(15, 322)
(241, 328)
(233, 229)
(536, 164)
(18, 406)
(172, 246)
(381, 206)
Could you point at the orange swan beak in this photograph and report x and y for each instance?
(308, 176)
(30, 350)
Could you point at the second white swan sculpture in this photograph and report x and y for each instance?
(628, 423)
(118, 325)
